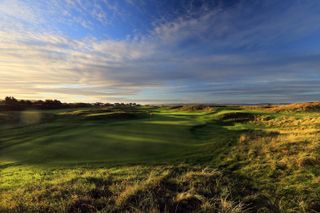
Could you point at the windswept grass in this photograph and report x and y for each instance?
(282, 158)
(161, 159)
(134, 188)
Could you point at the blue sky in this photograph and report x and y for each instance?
(163, 51)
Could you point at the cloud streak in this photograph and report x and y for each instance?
(246, 52)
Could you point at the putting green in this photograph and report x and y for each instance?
(162, 136)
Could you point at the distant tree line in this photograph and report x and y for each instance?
(11, 103)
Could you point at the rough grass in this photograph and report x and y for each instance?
(293, 107)
(133, 189)
(283, 159)
(226, 159)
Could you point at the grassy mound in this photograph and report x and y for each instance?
(233, 117)
(298, 107)
(109, 113)
(283, 159)
(194, 108)
(25, 117)
(117, 115)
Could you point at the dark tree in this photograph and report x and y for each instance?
(10, 100)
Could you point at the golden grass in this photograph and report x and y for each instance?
(283, 158)
(123, 189)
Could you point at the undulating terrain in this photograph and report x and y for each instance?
(161, 159)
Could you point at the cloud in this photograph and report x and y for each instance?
(220, 54)
(17, 10)
(245, 24)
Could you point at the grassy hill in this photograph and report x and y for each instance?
(161, 159)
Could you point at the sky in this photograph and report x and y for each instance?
(161, 51)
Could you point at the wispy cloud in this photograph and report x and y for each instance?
(207, 54)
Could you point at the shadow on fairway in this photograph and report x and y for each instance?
(161, 138)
